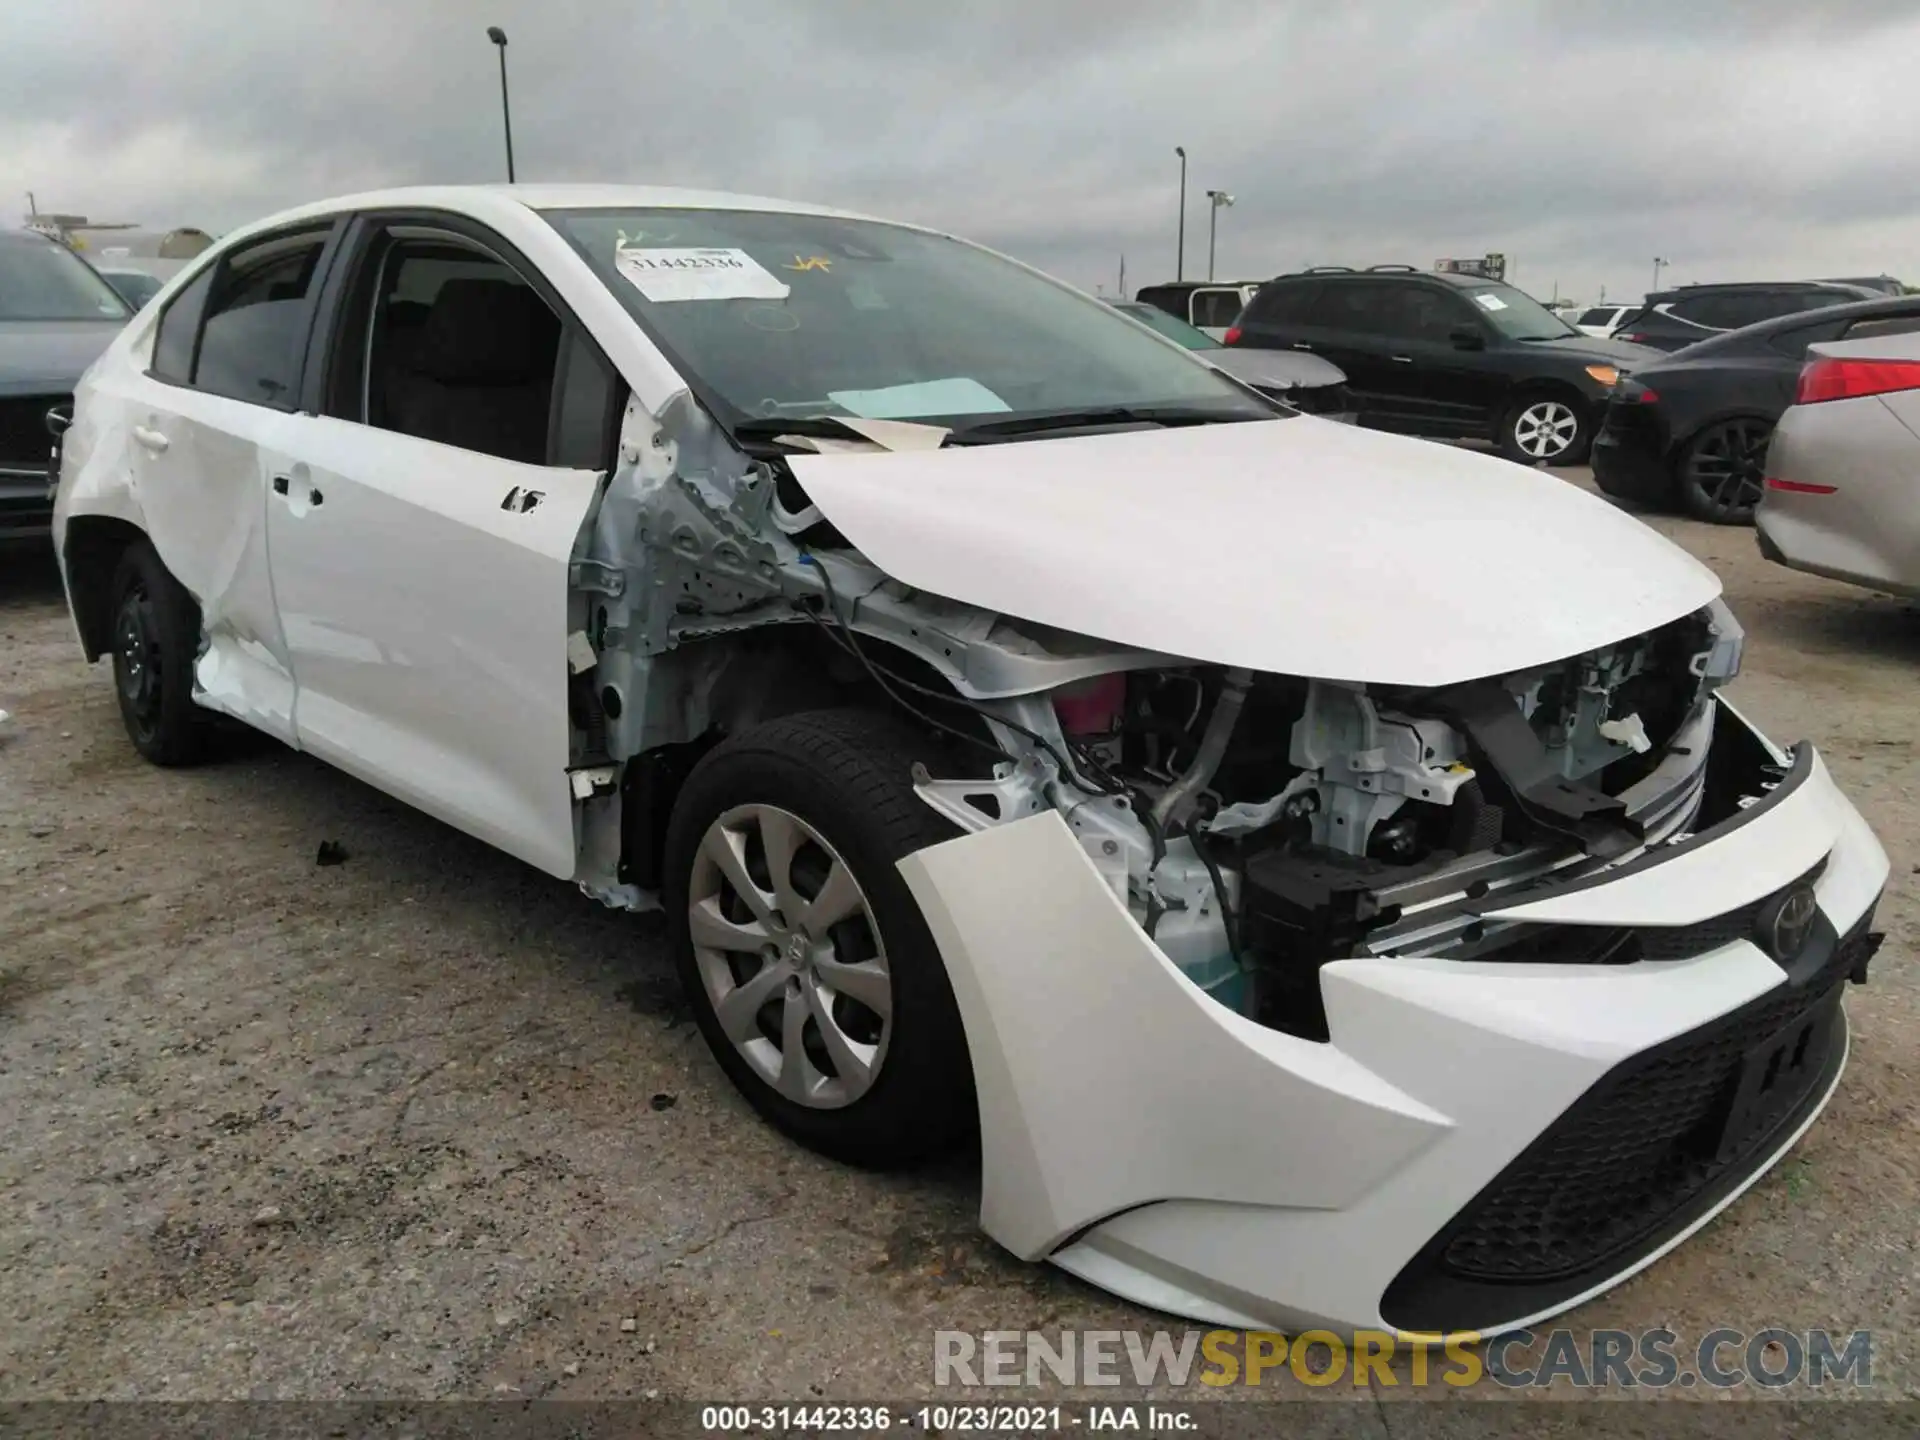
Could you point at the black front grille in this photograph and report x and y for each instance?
(24, 439)
(1651, 1147)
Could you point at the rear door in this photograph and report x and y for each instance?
(422, 526)
(210, 421)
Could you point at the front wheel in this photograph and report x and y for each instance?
(810, 971)
(1722, 470)
(1545, 430)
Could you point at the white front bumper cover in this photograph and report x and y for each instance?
(1434, 1166)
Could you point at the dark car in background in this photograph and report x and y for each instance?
(1447, 356)
(56, 316)
(1692, 431)
(1674, 319)
(1303, 381)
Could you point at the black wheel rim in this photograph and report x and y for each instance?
(137, 668)
(1726, 466)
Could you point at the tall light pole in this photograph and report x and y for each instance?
(1658, 266)
(1180, 264)
(499, 38)
(1219, 200)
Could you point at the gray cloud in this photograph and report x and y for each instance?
(1737, 140)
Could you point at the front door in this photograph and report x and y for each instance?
(421, 545)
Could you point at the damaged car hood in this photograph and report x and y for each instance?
(1295, 546)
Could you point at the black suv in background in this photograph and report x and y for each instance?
(1674, 319)
(1447, 356)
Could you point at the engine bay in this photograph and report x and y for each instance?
(1259, 826)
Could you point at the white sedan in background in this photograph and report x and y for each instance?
(1600, 321)
(1324, 867)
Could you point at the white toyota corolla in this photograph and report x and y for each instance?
(1322, 865)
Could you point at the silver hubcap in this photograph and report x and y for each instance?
(790, 956)
(1546, 429)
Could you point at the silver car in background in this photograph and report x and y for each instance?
(1842, 494)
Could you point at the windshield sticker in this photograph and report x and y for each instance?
(957, 396)
(698, 273)
(1491, 302)
(812, 262)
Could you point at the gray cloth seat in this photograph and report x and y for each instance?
(481, 375)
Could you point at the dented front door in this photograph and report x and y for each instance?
(423, 593)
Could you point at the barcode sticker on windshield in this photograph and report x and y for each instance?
(1491, 302)
(698, 274)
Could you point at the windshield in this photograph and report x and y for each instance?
(780, 315)
(1171, 326)
(1517, 315)
(40, 280)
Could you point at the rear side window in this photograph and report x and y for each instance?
(1793, 343)
(1285, 304)
(179, 328)
(1601, 316)
(1216, 309)
(1362, 308)
(255, 327)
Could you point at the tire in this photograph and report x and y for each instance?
(154, 642)
(837, 784)
(1546, 430)
(1720, 473)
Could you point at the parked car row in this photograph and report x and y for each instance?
(56, 316)
(1288, 853)
(1692, 430)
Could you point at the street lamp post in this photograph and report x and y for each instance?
(499, 38)
(1180, 264)
(1658, 266)
(1218, 201)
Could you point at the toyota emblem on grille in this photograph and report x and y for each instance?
(1786, 922)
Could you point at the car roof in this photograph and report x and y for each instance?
(1840, 287)
(1172, 285)
(486, 201)
(1380, 272)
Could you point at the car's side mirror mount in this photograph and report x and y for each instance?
(1466, 337)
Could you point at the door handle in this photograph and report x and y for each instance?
(283, 485)
(1301, 345)
(1403, 359)
(152, 439)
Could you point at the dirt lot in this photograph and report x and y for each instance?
(427, 1123)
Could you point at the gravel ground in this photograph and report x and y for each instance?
(426, 1123)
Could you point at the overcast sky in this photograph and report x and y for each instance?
(1740, 141)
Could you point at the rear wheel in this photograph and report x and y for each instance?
(1545, 430)
(156, 636)
(1722, 470)
(810, 971)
